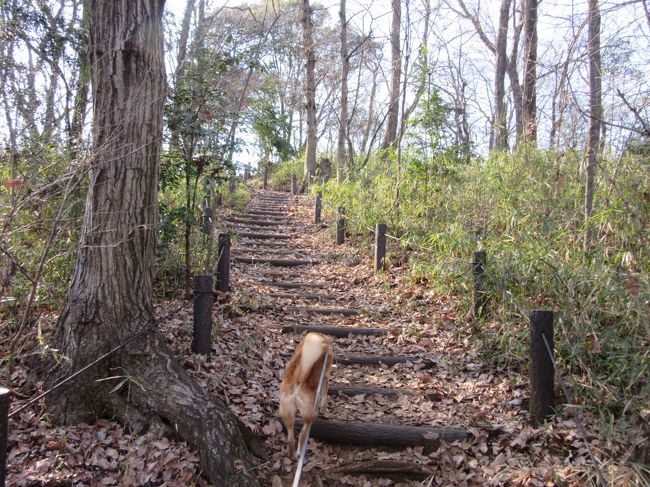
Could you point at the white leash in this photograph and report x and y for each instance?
(303, 450)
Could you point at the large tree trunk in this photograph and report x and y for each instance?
(530, 72)
(310, 89)
(110, 296)
(343, 123)
(595, 115)
(396, 73)
(501, 130)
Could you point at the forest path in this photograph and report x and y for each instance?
(401, 359)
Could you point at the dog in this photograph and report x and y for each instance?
(300, 382)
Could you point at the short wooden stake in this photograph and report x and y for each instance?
(318, 207)
(5, 399)
(202, 329)
(294, 184)
(223, 263)
(340, 225)
(266, 176)
(232, 187)
(206, 223)
(380, 246)
(541, 366)
(478, 273)
(219, 199)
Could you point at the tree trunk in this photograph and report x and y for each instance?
(310, 90)
(513, 76)
(371, 110)
(396, 74)
(343, 123)
(82, 86)
(500, 115)
(110, 296)
(530, 72)
(595, 116)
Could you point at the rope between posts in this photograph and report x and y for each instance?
(576, 416)
(108, 354)
(303, 447)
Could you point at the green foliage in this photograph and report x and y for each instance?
(280, 177)
(33, 196)
(525, 210)
(271, 126)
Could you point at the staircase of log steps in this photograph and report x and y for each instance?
(267, 251)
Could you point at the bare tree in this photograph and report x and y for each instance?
(500, 116)
(530, 72)
(343, 122)
(396, 74)
(310, 89)
(595, 115)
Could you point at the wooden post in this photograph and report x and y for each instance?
(340, 225)
(5, 399)
(380, 246)
(541, 366)
(219, 199)
(232, 187)
(318, 207)
(266, 176)
(294, 184)
(202, 329)
(206, 223)
(478, 272)
(223, 264)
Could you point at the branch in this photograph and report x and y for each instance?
(637, 115)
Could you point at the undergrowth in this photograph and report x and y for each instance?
(526, 211)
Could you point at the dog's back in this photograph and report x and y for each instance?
(300, 382)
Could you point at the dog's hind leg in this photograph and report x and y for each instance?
(288, 415)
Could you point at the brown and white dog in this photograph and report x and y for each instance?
(300, 382)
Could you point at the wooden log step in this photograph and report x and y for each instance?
(238, 228)
(352, 390)
(325, 311)
(272, 273)
(335, 331)
(267, 214)
(267, 218)
(356, 390)
(273, 201)
(394, 469)
(384, 359)
(303, 296)
(259, 223)
(275, 209)
(274, 250)
(293, 285)
(264, 235)
(383, 435)
(265, 244)
(274, 262)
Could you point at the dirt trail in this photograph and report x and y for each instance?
(441, 384)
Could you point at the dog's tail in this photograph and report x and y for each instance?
(314, 347)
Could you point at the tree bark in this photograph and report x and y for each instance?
(310, 89)
(595, 116)
(501, 129)
(530, 72)
(396, 73)
(343, 122)
(110, 296)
